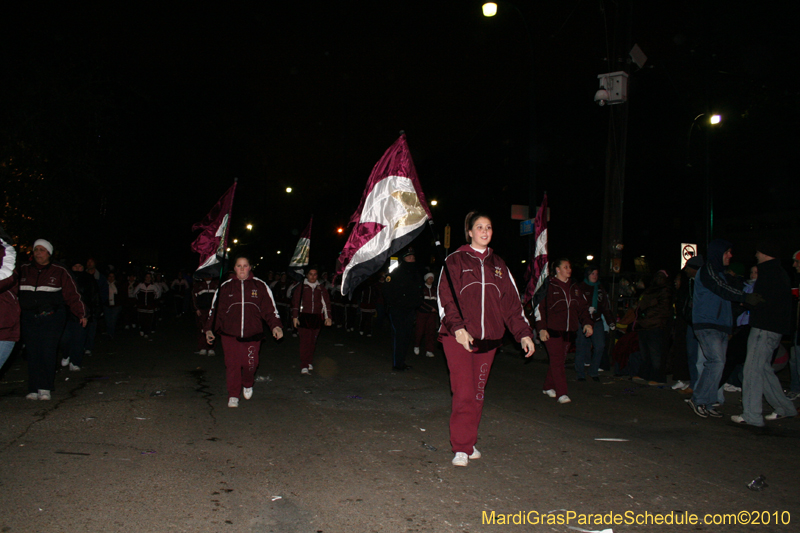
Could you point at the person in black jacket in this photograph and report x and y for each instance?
(73, 339)
(769, 322)
(402, 292)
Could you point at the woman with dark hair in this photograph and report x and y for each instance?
(599, 308)
(558, 317)
(240, 307)
(478, 300)
(311, 307)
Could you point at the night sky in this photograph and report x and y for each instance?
(124, 126)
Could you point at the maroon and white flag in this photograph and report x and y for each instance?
(537, 270)
(393, 211)
(213, 239)
(301, 254)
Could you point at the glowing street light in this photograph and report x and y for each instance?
(589, 257)
(235, 241)
(715, 119)
(249, 227)
(340, 230)
(279, 252)
(489, 9)
(288, 189)
(434, 202)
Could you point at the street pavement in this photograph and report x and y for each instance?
(141, 439)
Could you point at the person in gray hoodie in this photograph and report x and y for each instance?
(769, 322)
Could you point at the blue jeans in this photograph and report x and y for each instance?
(6, 347)
(714, 344)
(583, 350)
(112, 316)
(760, 380)
(794, 368)
(696, 359)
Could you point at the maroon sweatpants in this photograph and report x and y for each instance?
(241, 362)
(468, 375)
(426, 327)
(308, 343)
(556, 374)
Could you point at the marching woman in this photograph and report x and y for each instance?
(147, 294)
(311, 307)
(475, 309)
(240, 307)
(558, 316)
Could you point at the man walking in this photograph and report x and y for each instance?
(769, 322)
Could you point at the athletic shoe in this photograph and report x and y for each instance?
(233, 402)
(74, 368)
(774, 416)
(460, 459)
(699, 410)
(65, 361)
(247, 392)
(416, 350)
(564, 399)
(305, 371)
(738, 419)
(713, 413)
(731, 388)
(141, 333)
(212, 352)
(680, 385)
(793, 395)
(361, 333)
(32, 396)
(310, 366)
(294, 334)
(369, 334)
(44, 394)
(550, 392)
(430, 354)
(202, 352)
(475, 453)
(87, 352)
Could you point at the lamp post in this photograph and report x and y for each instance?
(713, 120)
(490, 9)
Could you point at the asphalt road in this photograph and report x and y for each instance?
(141, 439)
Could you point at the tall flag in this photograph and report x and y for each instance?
(213, 239)
(393, 211)
(301, 254)
(537, 270)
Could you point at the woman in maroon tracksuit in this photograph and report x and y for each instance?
(311, 307)
(240, 306)
(558, 316)
(473, 323)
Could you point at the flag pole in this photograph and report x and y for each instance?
(224, 257)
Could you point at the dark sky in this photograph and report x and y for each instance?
(140, 118)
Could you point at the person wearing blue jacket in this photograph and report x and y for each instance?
(712, 319)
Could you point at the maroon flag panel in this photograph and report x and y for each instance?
(213, 238)
(537, 270)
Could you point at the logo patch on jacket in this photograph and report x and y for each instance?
(498, 272)
(254, 293)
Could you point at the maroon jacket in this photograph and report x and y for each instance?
(429, 304)
(603, 306)
(9, 303)
(49, 287)
(316, 300)
(563, 308)
(486, 293)
(241, 307)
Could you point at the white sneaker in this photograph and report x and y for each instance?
(564, 399)
(202, 352)
(212, 352)
(361, 333)
(416, 350)
(731, 388)
(74, 368)
(127, 327)
(460, 459)
(305, 371)
(429, 354)
(311, 367)
(475, 453)
(680, 385)
(87, 352)
(550, 392)
(32, 396)
(141, 333)
(247, 392)
(233, 402)
(65, 361)
(44, 394)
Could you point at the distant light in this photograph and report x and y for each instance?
(261, 258)
(227, 249)
(279, 252)
(589, 257)
(235, 241)
(641, 256)
(288, 189)
(715, 119)
(523, 261)
(434, 202)
(339, 230)
(489, 9)
(249, 226)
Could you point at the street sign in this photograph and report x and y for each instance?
(688, 251)
(526, 227)
(447, 237)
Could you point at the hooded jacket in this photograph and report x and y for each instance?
(486, 293)
(712, 294)
(47, 288)
(240, 307)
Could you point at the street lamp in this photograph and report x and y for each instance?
(709, 201)
(249, 227)
(434, 202)
(489, 9)
(288, 189)
(590, 258)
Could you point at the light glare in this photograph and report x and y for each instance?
(715, 119)
(489, 9)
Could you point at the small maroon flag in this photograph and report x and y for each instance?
(301, 254)
(537, 270)
(213, 239)
(392, 212)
